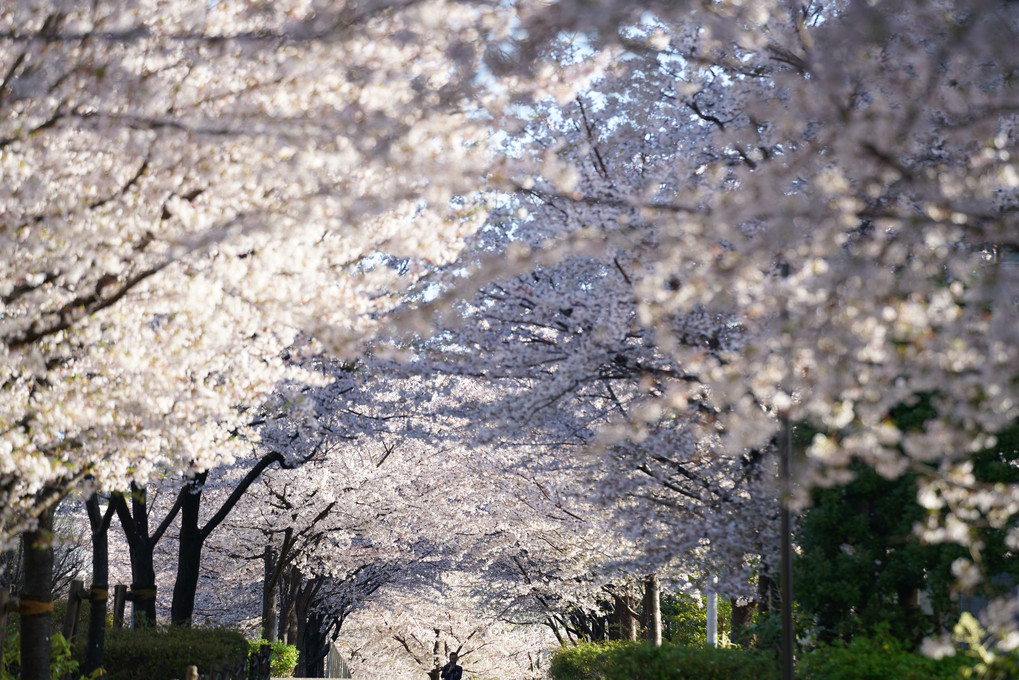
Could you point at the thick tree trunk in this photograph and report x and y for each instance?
(185, 587)
(270, 592)
(315, 646)
(653, 610)
(141, 548)
(304, 597)
(304, 667)
(288, 611)
(100, 525)
(192, 538)
(189, 554)
(742, 614)
(625, 622)
(37, 600)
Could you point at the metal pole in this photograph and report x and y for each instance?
(785, 460)
(713, 616)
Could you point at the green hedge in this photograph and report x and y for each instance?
(880, 658)
(862, 659)
(165, 653)
(639, 661)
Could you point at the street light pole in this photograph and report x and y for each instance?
(784, 463)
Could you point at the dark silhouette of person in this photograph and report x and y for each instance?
(452, 671)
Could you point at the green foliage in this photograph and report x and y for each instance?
(62, 665)
(80, 638)
(11, 666)
(685, 618)
(861, 566)
(766, 629)
(640, 661)
(986, 663)
(874, 658)
(283, 660)
(160, 652)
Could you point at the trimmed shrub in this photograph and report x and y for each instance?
(283, 660)
(640, 661)
(166, 652)
(878, 658)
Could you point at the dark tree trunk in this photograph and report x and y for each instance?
(304, 597)
(625, 623)
(100, 525)
(274, 579)
(653, 610)
(436, 671)
(766, 591)
(270, 592)
(291, 583)
(192, 538)
(141, 548)
(189, 553)
(37, 600)
(315, 645)
(742, 615)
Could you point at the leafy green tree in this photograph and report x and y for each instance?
(862, 563)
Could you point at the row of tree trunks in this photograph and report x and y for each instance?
(624, 620)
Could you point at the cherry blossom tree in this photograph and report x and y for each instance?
(855, 215)
(566, 347)
(760, 214)
(188, 188)
(813, 210)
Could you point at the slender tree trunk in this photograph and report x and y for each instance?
(99, 591)
(37, 600)
(436, 670)
(551, 623)
(288, 615)
(766, 587)
(653, 610)
(270, 592)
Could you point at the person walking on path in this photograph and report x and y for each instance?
(451, 671)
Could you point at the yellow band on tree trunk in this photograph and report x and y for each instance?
(34, 607)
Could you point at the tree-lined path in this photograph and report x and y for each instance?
(439, 326)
